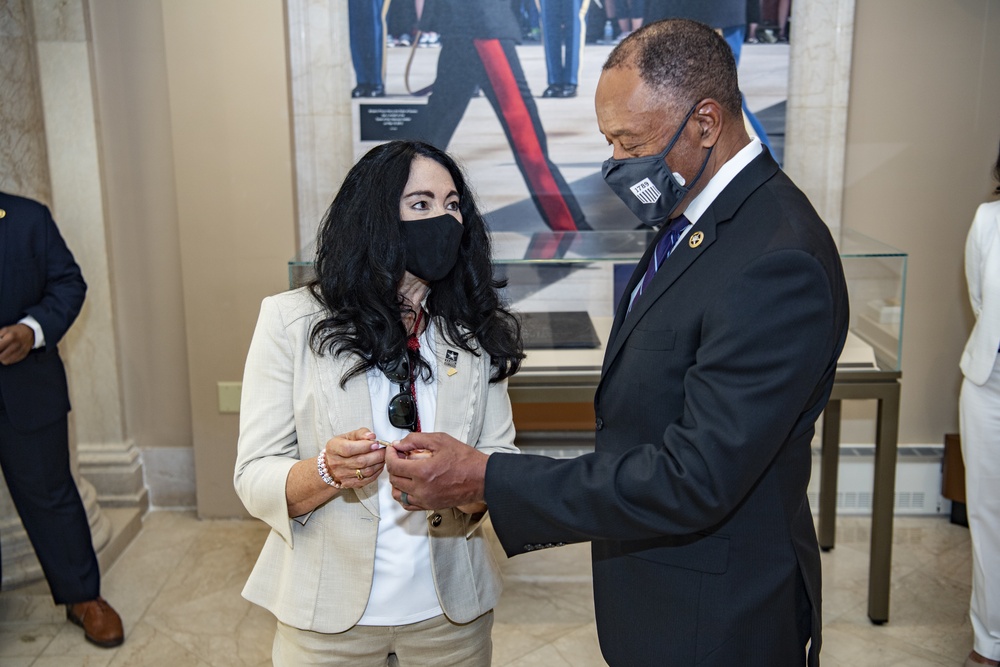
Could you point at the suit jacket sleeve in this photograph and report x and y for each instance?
(765, 354)
(268, 444)
(61, 296)
(973, 265)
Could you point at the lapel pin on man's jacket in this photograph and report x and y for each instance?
(696, 239)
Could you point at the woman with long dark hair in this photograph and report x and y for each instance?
(402, 330)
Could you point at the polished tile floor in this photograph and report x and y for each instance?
(177, 587)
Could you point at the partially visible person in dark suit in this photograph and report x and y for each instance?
(721, 357)
(41, 293)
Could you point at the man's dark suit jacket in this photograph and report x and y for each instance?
(704, 551)
(38, 277)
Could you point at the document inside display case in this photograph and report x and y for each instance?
(558, 331)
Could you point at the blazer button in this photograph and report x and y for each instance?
(599, 424)
(436, 520)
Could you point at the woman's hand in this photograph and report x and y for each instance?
(354, 459)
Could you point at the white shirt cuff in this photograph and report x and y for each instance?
(37, 328)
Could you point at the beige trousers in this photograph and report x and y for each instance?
(431, 643)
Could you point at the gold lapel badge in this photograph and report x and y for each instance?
(696, 239)
(3, 214)
(452, 371)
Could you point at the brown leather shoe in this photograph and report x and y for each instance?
(101, 624)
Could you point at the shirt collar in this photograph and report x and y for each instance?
(722, 178)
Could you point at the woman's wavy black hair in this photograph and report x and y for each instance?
(360, 261)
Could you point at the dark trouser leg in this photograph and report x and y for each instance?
(507, 90)
(458, 74)
(36, 467)
(365, 26)
(552, 34)
(576, 28)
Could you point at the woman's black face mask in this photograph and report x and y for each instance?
(432, 246)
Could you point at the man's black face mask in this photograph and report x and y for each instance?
(647, 185)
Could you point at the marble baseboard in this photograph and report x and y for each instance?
(169, 477)
(115, 470)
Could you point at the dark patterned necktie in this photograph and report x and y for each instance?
(663, 249)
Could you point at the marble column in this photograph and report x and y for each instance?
(819, 77)
(106, 456)
(320, 66)
(24, 166)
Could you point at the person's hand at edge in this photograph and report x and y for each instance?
(446, 473)
(16, 342)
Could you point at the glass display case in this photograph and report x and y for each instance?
(876, 282)
(300, 267)
(566, 286)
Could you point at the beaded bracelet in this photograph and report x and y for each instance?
(324, 474)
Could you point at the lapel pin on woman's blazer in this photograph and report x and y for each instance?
(696, 239)
(451, 361)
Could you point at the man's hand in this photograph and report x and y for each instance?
(445, 472)
(16, 342)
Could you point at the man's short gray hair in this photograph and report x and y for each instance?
(686, 60)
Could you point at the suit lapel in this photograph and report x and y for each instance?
(725, 206)
(623, 310)
(680, 259)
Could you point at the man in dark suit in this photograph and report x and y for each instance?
(41, 293)
(721, 357)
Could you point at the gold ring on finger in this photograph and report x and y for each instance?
(359, 474)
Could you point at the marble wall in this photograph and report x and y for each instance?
(24, 166)
(320, 65)
(818, 90)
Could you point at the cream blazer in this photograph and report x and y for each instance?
(315, 571)
(982, 272)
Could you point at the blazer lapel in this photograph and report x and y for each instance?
(458, 375)
(346, 409)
